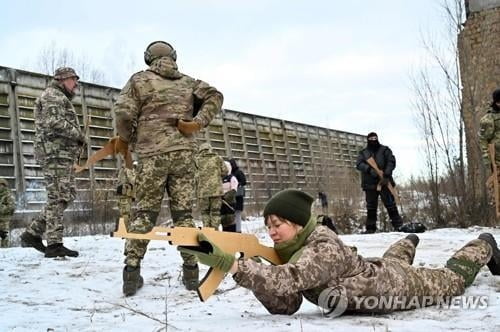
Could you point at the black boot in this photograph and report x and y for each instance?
(58, 250)
(190, 276)
(132, 280)
(494, 263)
(414, 239)
(34, 241)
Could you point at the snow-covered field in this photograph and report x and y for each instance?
(84, 293)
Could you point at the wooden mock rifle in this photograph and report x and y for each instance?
(114, 146)
(246, 244)
(373, 164)
(492, 181)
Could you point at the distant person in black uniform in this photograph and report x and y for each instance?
(386, 162)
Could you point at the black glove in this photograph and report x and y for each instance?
(384, 181)
(373, 173)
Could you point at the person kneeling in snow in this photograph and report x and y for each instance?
(315, 259)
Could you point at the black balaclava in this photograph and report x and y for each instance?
(372, 144)
(496, 99)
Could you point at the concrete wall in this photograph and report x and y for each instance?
(479, 50)
(274, 154)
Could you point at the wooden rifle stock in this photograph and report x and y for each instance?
(246, 244)
(111, 148)
(373, 164)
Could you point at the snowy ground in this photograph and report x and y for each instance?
(84, 293)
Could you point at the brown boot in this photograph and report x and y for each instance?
(132, 280)
(190, 276)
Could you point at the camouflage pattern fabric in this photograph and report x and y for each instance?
(58, 134)
(210, 211)
(152, 101)
(59, 180)
(489, 132)
(210, 167)
(58, 141)
(126, 192)
(175, 172)
(7, 208)
(326, 262)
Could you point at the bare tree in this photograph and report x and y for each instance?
(439, 113)
(52, 57)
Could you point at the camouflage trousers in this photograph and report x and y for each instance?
(4, 231)
(173, 172)
(210, 211)
(59, 180)
(396, 277)
(125, 208)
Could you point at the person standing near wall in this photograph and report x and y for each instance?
(7, 208)
(58, 143)
(489, 131)
(228, 207)
(240, 193)
(158, 112)
(211, 169)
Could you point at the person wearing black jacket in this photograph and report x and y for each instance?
(240, 192)
(369, 181)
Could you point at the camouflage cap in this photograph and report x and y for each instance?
(62, 73)
(4, 182)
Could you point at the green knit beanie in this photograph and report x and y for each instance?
(291, 204)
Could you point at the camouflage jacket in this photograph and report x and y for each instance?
(489, 132)
(7, 203)
(211, 167)
(325, 261)
(151, 102)
(57, 131)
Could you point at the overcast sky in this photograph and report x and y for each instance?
(344, 65)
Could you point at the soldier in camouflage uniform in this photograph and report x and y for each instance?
(314, 259)
(7, 208)
(489, 130)
(211, 168)
(58, 142)
(158, 112)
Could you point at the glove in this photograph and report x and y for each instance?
(209, 254)
(373, 173)
(187, 127)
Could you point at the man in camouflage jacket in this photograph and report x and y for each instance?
(58, 142)
(157, 113)
(211, 167)
(7, 208)
(489, 130)
(316, 261)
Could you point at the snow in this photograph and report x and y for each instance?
(84, 293)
